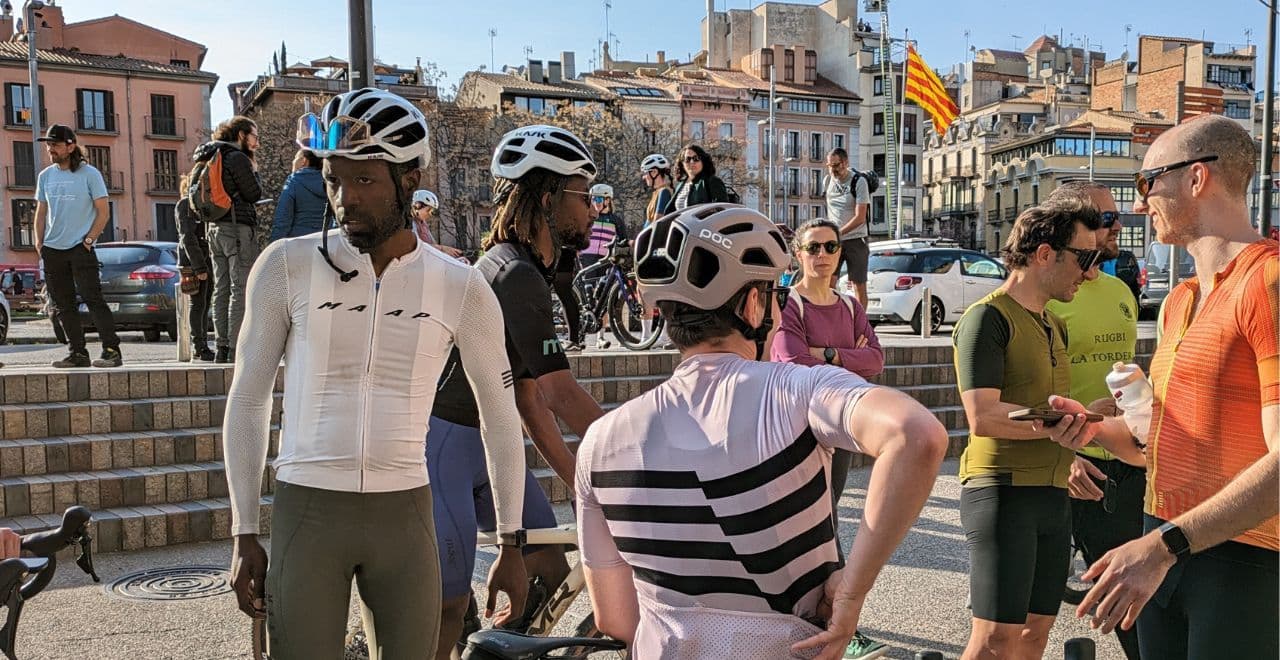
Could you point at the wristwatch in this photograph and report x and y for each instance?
(829, 355)
(516, 539)
(88, 241)
(1175, 541)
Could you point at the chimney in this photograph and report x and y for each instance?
(570, 67)
(535, 71)
(662, 57)
(710, 34)
(553, 72)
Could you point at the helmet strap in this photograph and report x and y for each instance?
(757, 334)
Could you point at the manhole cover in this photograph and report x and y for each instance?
(172, 583)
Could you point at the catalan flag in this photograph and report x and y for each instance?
(925, 88)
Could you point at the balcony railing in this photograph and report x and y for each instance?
(1011, 214)
(96, 123)
(18, 116)
(993, 216)
(23, 237)
(162, 183)
(19, 178)
(166, 128)
(114, 181)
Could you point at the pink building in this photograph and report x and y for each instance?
(138, 101)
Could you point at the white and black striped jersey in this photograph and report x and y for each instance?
(714, 489)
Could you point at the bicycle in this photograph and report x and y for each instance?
(608, 287)
(21, 578)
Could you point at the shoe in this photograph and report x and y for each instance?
(573, 347)
(110, 358)
(223, 356)
(202, 353)
(862, 647)
(73, 360)
(668, 346)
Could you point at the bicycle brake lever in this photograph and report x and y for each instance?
(85, 560)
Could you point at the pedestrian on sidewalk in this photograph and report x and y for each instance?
(848, 203)
(300, 210)
(193, 262)
(71, 212)
(232, 241)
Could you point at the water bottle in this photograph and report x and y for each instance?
(1133, 395)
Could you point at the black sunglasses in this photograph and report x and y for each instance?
(1143, 180)
(1109, 219)
(831, 247)
(783, 293)
(692, 159)
(1085, 258)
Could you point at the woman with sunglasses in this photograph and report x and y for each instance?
(698, 181)
(655, 171)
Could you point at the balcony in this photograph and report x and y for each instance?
(959, 209)
(1011, 214)
(97, 124)
(162, 183)
(19, 117)
(22, 237)
(993, 217)
(114, 181)
(962, 173)
(19, 178)
(166, 128)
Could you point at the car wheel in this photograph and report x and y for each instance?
(151, 334)
(172, 330)
(939, 313)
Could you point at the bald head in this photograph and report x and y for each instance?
(1206, 135)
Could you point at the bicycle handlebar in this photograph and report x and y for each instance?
(47, 543)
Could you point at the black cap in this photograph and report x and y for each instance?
(59, 133)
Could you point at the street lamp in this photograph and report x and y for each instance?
(30, 16)
(774, 101)
(786, 186)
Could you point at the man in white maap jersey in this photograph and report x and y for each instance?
(704, 509)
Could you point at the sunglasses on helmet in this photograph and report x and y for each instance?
(598, 199)
(1143, 180)
(830, 247)
(340, 134)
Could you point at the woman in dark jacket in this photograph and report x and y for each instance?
(193, 261)
(698, 183)
(300, 210)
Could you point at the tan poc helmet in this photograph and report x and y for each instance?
(705, 254)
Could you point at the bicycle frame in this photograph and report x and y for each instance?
(550, 612)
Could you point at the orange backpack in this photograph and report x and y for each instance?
(207, 195)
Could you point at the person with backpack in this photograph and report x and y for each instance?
(848, 195)
(223, 193)
(300, 210)
(698, 181)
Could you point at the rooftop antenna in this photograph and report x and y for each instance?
(528, 52)
(966, 45)
(1015, 40)
(492, 35)
(1128, 27)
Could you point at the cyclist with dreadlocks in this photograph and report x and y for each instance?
(365, 319)
(542, 175)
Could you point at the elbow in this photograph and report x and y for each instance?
(921, 438)
(614, 622)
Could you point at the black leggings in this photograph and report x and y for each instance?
(1220, 603)
(1019, 540)
(198, 313)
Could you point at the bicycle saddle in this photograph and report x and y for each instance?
(515, 646)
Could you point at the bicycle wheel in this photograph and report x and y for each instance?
(627, 319)
(587, 628)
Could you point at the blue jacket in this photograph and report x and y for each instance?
(300, 210)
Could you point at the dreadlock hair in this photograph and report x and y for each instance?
(520, 209)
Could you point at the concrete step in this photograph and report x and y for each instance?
(107, 451)
(42, 420)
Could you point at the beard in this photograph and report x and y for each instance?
(371, 232)
(574, 238)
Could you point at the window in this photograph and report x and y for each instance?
(815, 146)
(877, 123)
(17, 105)
(909, 130)
(877, 210)
(182, 64)
(760, 103)
(793, 212)
(1230, 75)
(166, 228)
(24, 166)
(837, 141)
(1125, 196)
(1132, 237)
(100, 157)
(697, 129)
(816, 212)
(935, 263)
(1236, 110)
(810, 66)
(837, 108)
(766, 65)
(95, 111)
(803, 105)
(875, 55)
(165, 177)
(877, 86)
(109, 232)
(975, 265)
(24, 219)
(726, 130)
(973, 159)
(815, 183)
(792, 146)
(1035, 194)
(789, 65)
(909, 170)
(163, 118)
(878, 165)
(793, 181)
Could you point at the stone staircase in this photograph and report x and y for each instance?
(142, 446)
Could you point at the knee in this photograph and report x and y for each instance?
(453, 609)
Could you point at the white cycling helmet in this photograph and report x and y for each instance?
(654, 162)
(602, 190)
(548, 147)
(426, 197)
(367, 124)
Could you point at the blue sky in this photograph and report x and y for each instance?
(242, 34)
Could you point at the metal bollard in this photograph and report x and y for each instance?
(929, 655)
(926, 314)
(1079, 648)
(181, 302)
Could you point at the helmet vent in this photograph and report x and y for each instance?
(703, 267)
(756, 257)
(737, 228)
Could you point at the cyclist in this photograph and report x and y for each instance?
(655, 170)
(607, 227)
(426, 206)
(1102, 329)
(541, 178)
(365, 322)
(704, 510)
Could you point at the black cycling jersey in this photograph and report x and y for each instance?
(524, 293)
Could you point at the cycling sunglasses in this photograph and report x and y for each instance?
(831, 247)
(783, 293)
(1143, 180)
(341, 134)
(1086, 259)
(599, 199)
(1109, 219)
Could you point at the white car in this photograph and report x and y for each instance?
(6, 318)
(898, 272)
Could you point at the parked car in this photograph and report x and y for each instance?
(1153, 278)
(899, 271)
(31, 279)
(5, 318)
(139, 280)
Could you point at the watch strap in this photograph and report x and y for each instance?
(1174, 540)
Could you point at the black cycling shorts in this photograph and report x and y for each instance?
(1019, 540)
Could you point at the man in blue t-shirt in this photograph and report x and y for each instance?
(71, 212)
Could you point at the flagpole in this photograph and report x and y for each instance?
(902, 138)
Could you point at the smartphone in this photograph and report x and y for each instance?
(1047, 415)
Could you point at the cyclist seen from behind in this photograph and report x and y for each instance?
(704, 506)
(542, 174)
(365, 321)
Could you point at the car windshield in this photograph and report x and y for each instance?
(124, 255)
(895, 262)
(1158, 258)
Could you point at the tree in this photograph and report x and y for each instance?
(277, 130)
